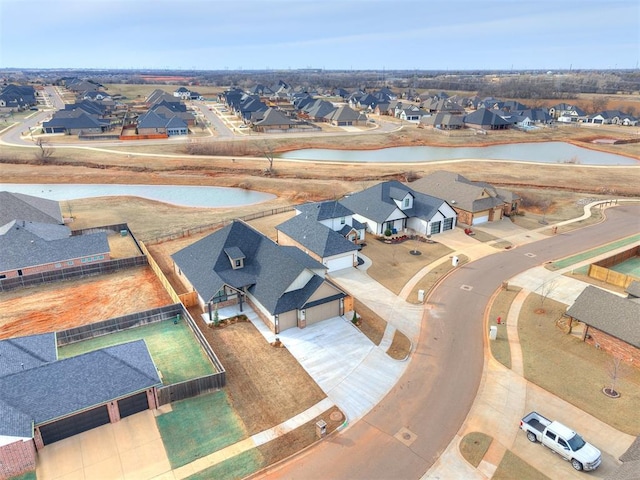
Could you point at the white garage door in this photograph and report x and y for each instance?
(482, 219)
(340, 263)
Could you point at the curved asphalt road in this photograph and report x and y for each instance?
(408, 430)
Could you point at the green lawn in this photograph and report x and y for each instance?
(237, 467)
(580, 257)
(174, 349)
(199, 426)
(574, 370)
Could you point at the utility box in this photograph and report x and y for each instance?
(454, 261)
(421, 296)
(321, 428)
(493, 332)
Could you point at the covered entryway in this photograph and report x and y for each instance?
(75, 424)
(133, 404)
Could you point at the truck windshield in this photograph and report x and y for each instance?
(576, 442)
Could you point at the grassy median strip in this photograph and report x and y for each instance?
(500, 348)
(513, 466)
(474, 446)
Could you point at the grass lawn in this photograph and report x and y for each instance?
(500, 308)
(173, 348)
(474, 446)
(237, 467)
(574, 370)
(26, 476)
(199, 426)
(393, 265)
(513, 466)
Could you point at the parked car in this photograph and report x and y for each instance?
(561, 440)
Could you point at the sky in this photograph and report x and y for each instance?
(321, 34)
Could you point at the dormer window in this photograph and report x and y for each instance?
(342, 220)
(407, 202)
(236, 257)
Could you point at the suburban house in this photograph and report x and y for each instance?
(152, 123)
(237, 264)
(14, 97)
(394, 207)
(474, 202)
(273, 120)
(326, 231)
(485, 119)
(346, 116)
(33, 239)
(612, 117)
(612, 322)
(44, 399)
(444, 121)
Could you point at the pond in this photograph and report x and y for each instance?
(186, 196)
(543, 152)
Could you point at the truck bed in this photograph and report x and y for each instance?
(536, 421)
(537, 424)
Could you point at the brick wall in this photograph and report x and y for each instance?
(76, 262)
(17, 458)
(613, 346)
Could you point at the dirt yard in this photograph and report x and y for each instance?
(58, 306)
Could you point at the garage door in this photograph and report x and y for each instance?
(482, 219)
(340, 263)
(134, 404)
(435, 228)
(70, 426)
(322, 312)
(287, 320)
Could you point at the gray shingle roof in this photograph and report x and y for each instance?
(22, 353)
(28, 244)
(609, 313)
(17, 206)
(634, 289)
(485, 117)
(469, 196)
(315, 236)
(58, 389)
(269, 269)
(324, 210)
(377, 202)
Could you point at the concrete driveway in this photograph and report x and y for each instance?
(129, 449)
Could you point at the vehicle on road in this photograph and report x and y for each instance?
(561, 440)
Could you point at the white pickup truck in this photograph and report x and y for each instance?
(561, 440)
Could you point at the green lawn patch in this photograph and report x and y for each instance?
(199, 426)
(500, 348)
(26, 476)
(237, 467)
(474, 446)
(566, 262)
(574, 370)
(513, 466)
(174, 349)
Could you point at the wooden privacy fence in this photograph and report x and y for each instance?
(161, 276)
(69, 273)
(601, 271)
(190, 388)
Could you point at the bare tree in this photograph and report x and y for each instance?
(45, 152)
(267, 151)
(614, 372)
(545, 290)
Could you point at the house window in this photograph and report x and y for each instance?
(238, 263)
(70, 263)
(58, 265)
(342, 221)
(406, 202)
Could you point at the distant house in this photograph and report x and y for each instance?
(152, 123)
(273, 120)
(612, 322)
(566, 113)
(286, 287)
(346, 116)
(44, 400)
(485, 119)
(34, 241)
(443, 121)
(75, 122)
(474, 202)
(392, 206)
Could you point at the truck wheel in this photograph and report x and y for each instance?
(576, 464)
(532, 437)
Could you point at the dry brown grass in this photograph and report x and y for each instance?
(393, 264)
(265, 384)
(400, 346)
